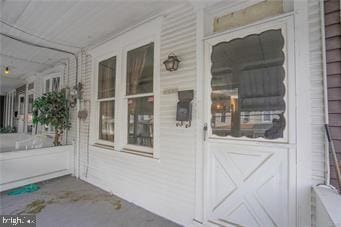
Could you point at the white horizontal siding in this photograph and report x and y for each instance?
(317, 98)
(316, 89)
(165, 186)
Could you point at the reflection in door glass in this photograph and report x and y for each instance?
(248, 86)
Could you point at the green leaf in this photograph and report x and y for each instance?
(51, 109)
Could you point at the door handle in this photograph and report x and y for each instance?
(205, 128)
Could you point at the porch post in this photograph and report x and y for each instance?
(199, 215)
(304, 172)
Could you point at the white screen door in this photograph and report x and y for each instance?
(250, 146)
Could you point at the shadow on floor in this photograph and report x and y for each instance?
(69, 202)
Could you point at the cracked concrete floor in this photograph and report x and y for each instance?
(69, 202)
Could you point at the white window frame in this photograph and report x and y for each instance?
(140, 36)
(19, 109)
(27, 103)
(97, 101)
(50, 77)
(144, 149)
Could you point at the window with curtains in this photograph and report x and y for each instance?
(52, 84)
(106, 98)
(247, 86)
(140, 96)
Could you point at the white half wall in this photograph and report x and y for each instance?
(18, 168)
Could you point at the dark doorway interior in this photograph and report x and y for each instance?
(2, 110)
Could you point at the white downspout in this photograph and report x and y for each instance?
(78, 140)
(325, 92)
(78, 120)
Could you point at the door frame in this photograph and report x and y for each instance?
(300, 213)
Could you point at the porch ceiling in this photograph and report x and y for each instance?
(69, 25)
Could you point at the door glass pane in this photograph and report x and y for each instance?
(140, 67)
(141, 121)
(106, 78)
(248, 86)
(106, 120)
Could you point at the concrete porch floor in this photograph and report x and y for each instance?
(69, 202)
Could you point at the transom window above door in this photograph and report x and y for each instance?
(247, 86)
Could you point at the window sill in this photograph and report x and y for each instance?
(137, 152)
(104, 146)
(125, 150)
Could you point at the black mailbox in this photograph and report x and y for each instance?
(184, 108)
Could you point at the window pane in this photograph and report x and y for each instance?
(106, 120)
(47, 85)
(247, 86)
(30, 86)
(140, 121)
(56, 84)
(140, 66)
(106, 78)
(30, 103)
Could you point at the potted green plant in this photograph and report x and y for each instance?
(52, 109)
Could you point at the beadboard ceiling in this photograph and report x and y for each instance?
(69, 25)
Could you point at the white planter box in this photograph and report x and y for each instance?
(18, 168)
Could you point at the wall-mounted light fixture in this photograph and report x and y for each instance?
(172, 63)
(7, 70)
